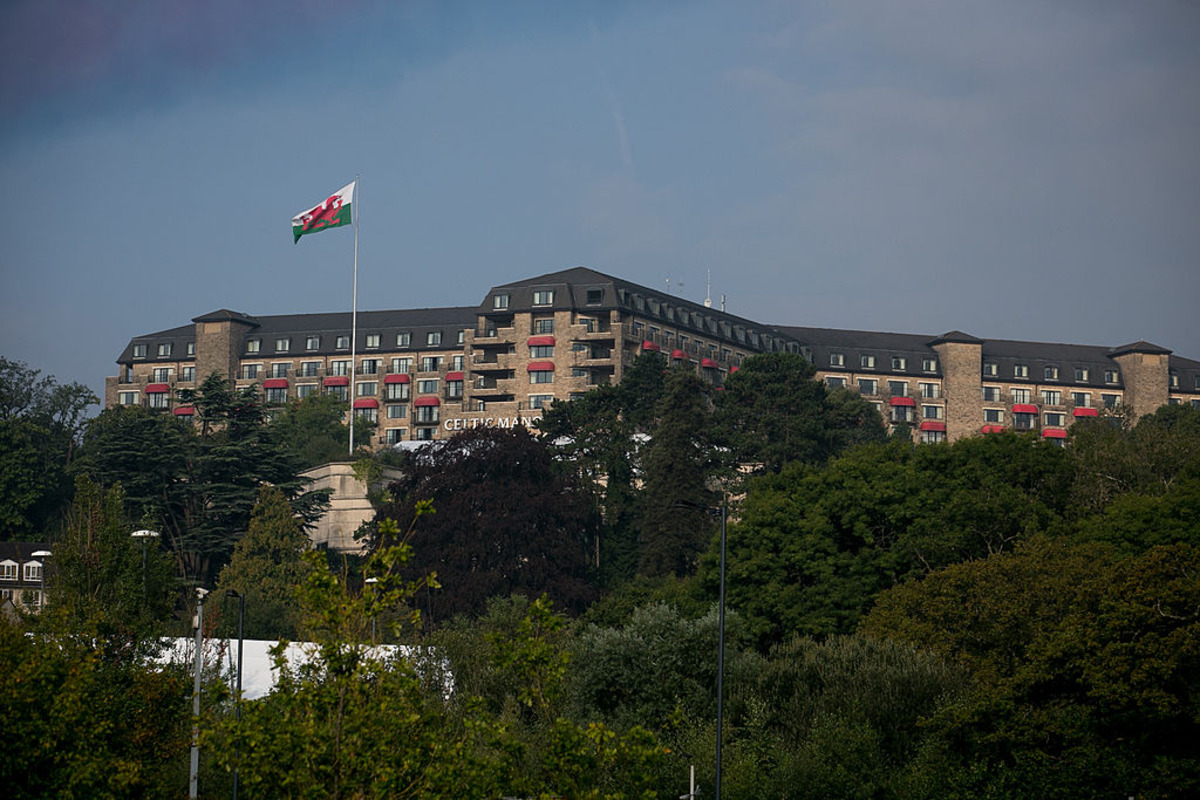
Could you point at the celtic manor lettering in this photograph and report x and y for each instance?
(461, 424)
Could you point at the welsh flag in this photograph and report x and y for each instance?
(330, 213)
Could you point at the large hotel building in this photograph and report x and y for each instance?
(423, 374)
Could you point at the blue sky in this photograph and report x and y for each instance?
(1019, 170)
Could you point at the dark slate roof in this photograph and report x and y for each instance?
(956, 337)
(1140, 346)
(225, 315)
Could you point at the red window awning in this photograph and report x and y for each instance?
(184, 411)
(648, 345)
(1079, 412)
(993, 429)
(454, 376)
(421, 402)
(708, 363)
(933, 425)
(398, 377)
(1024, 409)
(157, 388)
(541, 341)
(903, 401)
(366, 402)
(1054, 433)
(337, 380)
(275, 383)
(678, 355)
(540, 366)
(734, 369)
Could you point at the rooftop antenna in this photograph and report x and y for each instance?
(722, 302)
(708, 291)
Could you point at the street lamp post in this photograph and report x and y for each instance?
(42, 592)
(724, 512)
(372, 581)
(237, 708)
(144, 535)
(194, 775)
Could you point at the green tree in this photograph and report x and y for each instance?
(40, 426)
(313, 429)
(677, 464)
(773, 412)
(268, 569)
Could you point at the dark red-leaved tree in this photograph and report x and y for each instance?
(506, 519)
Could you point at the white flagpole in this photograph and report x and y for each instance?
(354, 317)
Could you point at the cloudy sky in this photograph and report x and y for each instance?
(1025, 169)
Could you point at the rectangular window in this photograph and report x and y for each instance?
(404, 339)
(401, 365)
(372, 341)
(868, 386)
(541, 376)
(1110, 400)
(253, 345)
(427, 414)
(310, 369)
(1174, 379)
(454, 389)
(397, 391)
(595, 297)
(579, 372)
(929, 390)
(500, 301)
(1081, 399)
(427, 387)
(304, 390)
(164, 350)
(159, 400)
(368, 414)
(187, 374)
(899, 363)
(370, 366)
(191, 348)
(276, 397)
(139, 351)
(340, 392)
(312, 343)
(993, 415)
(543, 297)
(989, 368)
(837, 360)
(342, 343)
(431, 363)
(1055, 420)
(283, 345)
(932, 437)
(127, 398)
(397, 411)
(457, 363)
(901, 414)
(1050, 373)
(1051, 397)
(367, 389)
(541, 351)
(898, 388)
(1081, 374)
(866, 361)
(8, 571)
(933, 412)
(540, 400)
(1020, 395)
(280, 369)
(433, 338)
(1021, 371)
(249, 371)
(162, 374)
(991, 394)
(929, 365)
(1024, 422)
(395, 435)
(546, 325)
(424, 434)
(1110, 376)
(835, 383)
(339, 367)
(33, 571)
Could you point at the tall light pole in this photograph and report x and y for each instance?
(237, 708)
(194, 775)
(144, 535)
(42, 594)
(372, 582)
(724, 512)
